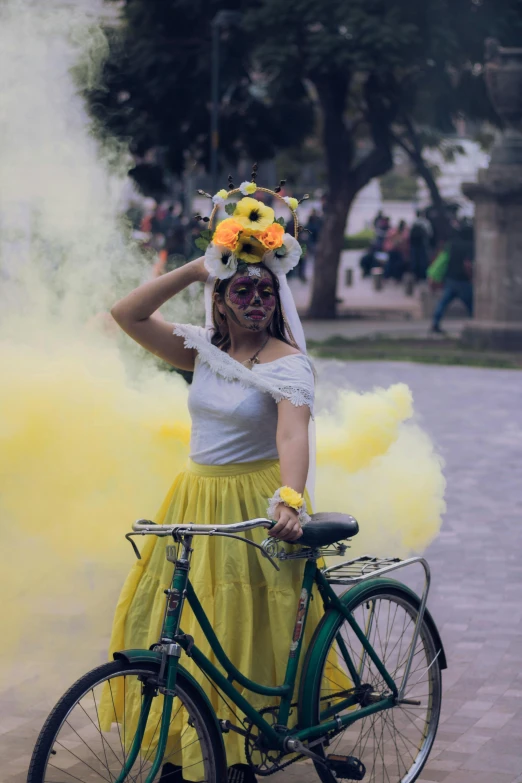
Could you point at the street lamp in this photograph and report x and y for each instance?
(221, 20)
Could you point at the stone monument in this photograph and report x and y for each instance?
(497, 322)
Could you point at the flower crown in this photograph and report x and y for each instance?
(251, 234)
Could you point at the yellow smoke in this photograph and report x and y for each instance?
(91, 432)
(382, 468)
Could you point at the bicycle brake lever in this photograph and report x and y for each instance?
(129, 539)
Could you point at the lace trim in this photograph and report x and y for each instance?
(223, 364)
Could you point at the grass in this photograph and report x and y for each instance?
(425, 351)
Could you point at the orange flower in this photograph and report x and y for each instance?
(271, 237)
(227, 233)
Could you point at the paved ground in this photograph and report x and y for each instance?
(475, 417)
(357, 295)
(353, 329)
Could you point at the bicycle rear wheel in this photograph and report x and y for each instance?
(393, 744)
(88, 735)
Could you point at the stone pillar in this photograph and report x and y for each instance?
(497, 322)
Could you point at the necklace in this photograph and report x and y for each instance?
(249, 363)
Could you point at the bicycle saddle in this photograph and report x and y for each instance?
(325, 529)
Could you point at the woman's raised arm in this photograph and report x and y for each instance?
(135, 314)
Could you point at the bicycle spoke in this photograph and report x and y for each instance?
(87, 753)
(98, 718)
(84, 762)
(104, 741)
(65, 772)
(388, 742)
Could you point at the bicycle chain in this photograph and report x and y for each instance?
(250, 740)
(276, 767)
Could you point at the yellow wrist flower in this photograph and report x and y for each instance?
(290, 497)
(253, 215)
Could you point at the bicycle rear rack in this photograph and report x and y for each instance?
(366, 567)
(361, 568)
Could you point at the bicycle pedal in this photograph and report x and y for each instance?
(346, 767)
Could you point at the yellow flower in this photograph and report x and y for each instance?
(254, 215)
(227, 233)
(271, 237)
(292, 202)
(249, 249)
(290, 497)
(220, 197)
(248, 188)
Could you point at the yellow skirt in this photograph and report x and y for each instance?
(251, 606)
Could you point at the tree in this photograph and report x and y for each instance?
(154, 91)
(371, 66)
(369, 71)
(457, 90)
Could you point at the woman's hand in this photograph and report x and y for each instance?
(200, 269)
(288, 527)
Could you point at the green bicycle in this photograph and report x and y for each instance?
(366, 707)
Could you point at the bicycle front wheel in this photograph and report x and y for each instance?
(88, 735)
(393, 744)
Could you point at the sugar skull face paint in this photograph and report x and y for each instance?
(251, 301)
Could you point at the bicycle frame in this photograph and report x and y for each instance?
(173, 641)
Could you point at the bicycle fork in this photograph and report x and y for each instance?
(166, 682)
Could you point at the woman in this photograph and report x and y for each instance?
(397, 246)
(250, 401)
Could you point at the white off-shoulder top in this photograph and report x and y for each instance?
(234, 409)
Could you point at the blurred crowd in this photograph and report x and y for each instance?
(418, 251)
(168, 235)
(399, 249)
(164, 232)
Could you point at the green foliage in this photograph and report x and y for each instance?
(281, 221)
(155, 90)
(201, 243)
(398, 187)
(230, 209)
(359, 241)
(360, 71)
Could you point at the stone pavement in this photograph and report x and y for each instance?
(364, 328)
(475, 419)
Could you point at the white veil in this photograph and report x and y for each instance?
(295, 333)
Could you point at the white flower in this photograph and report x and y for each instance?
(248, 188)
(220, 261)
(220, 197)
(282, 260)
(292, 202)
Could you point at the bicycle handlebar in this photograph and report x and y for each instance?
(145, 526)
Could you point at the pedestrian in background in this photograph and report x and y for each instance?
(458, 281)
(397, 245)
(420, 236)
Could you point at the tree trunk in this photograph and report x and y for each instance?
(345, 179)
(415, 150)
(339, 150)
(324, 293)
(439, 205)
